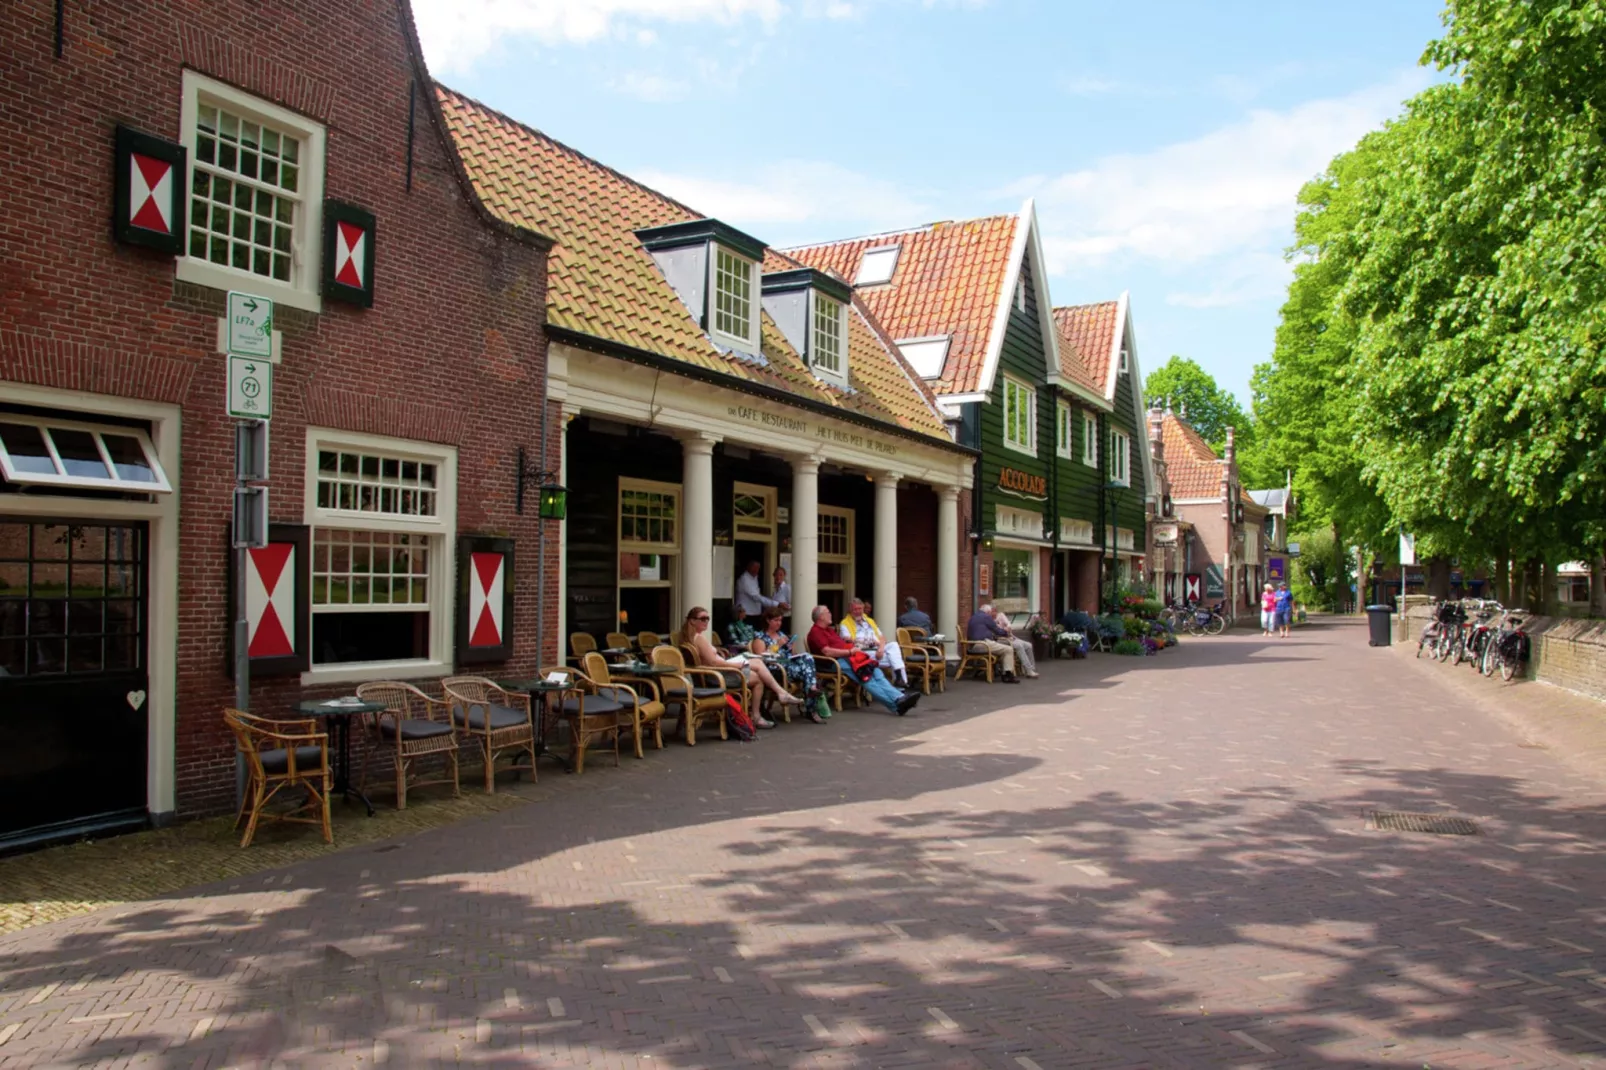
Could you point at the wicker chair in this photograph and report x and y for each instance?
(617, 641)
(733, 678)
(581, 644)
(926, 660)
(495, 720)
(647, 640)
(413, 726)
(591, 716)
(699, 694)
(639, 695)
(833, 680)
(977, 659)
(280, 755)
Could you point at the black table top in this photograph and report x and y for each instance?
(538, 684)
(320, 707)
(644, 669)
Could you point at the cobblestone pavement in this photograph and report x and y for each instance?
(1129, 863)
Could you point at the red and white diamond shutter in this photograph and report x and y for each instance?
(148, 191)
(485, 599)
(270, 600)
(348, 253)
(1190, 585)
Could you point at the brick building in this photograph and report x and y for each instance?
(161, 161)
(1221, 531)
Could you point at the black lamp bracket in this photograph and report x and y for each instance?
(532, 474)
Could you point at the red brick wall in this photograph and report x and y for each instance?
(451, 352)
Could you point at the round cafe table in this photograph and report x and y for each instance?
(541, 690)
(337, 714)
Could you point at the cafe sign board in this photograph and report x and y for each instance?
(1022, 484)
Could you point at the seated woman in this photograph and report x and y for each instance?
(741, 633)
(695, 635)
(775, 642)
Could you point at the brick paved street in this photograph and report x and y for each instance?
(1155, 862)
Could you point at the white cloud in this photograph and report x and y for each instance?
(455, 33)
(791, 192)
(1224, 201)
(653, 88)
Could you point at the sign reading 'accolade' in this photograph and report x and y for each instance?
(1024, 483)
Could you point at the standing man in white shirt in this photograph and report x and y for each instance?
(783, 590)
(748, 594)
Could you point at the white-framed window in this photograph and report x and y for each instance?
(835, 527)
(649, 554)
(1014, 579)
(383, 513)
(1020, 416)
(733, 312)
(256, 194)
(1090, 439)
(828, 339)
(66, 453)
(1126, 360)
(1062, 430)
(1120, 458)
(1020, 293)
(926, 355)
(877, 266)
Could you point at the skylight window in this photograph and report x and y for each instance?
(88, 456)
(877, 266)
(925, 355)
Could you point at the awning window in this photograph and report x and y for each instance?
(56, 453)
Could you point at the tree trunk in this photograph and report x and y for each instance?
(1530, 595)
(1502, 579)
(1336, 588)
(1597, 587)
(1438, 577)
(1547, 589)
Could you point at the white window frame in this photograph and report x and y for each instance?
(825, 558)
(1120, 458)
(818, 302)
(667, 549)
(1126, 359)
(441, 529)
(1062, 430)
(867, 277)
(61, 478)
(1029, 446)
(1090, 439)
(303, 291)
(749, 342)
(1020, 293)
(1034, 577)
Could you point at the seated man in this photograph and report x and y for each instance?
(860, 630)
(826, 642)
(913, 617)
(1025, 660)
(982, 630)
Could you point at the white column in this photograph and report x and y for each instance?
(805, 540)
(948, 561)
(697, 522)
(884, 591)
(565, 416)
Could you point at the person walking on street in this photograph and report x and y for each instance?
(1284, 610)
(1268, 610)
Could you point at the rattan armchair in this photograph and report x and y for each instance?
(581, 644)
(639, 696)
(647, 640)
(617, 641)
(413, 726)
(698, 693)
(280, 755)
(590, 714)
(494, 720)
(976, 659)
(926, 660)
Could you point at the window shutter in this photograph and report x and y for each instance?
(148, 191)
(348, 253)
(484, 599)
(277, 603)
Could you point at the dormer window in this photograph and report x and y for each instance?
(877, 266)
(925, 355)
(828, 340)
(734, 318)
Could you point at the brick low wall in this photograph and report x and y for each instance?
(1567, 652)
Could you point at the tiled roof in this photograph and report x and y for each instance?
(948, 280)
(602, 283)
(1191, 466)
(1090, 331)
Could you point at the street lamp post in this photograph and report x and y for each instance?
(1111, 526)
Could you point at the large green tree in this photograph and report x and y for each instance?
(1186, 387)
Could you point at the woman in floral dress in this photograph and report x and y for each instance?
(773, 642)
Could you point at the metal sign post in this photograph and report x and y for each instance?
(250, 531)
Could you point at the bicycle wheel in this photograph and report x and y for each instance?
(1421, 641)
(1508, 669)
(1486, 663)
(1218, 624)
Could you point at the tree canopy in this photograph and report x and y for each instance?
(1184, 385)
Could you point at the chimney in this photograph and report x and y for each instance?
(1229, 454)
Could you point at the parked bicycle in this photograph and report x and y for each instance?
(1202, 621)
(1508, 649)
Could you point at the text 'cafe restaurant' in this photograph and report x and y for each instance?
(721, 404)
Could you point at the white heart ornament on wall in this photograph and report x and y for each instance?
(136, 699)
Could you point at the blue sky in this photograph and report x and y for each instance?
(1163, 142)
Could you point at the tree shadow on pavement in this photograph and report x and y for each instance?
(1253, 927)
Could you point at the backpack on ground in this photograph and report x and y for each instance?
(736, 720)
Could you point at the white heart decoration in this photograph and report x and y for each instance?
(136, 699)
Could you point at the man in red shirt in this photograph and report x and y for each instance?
(826, 642)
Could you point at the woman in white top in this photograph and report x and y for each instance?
(695, 635)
